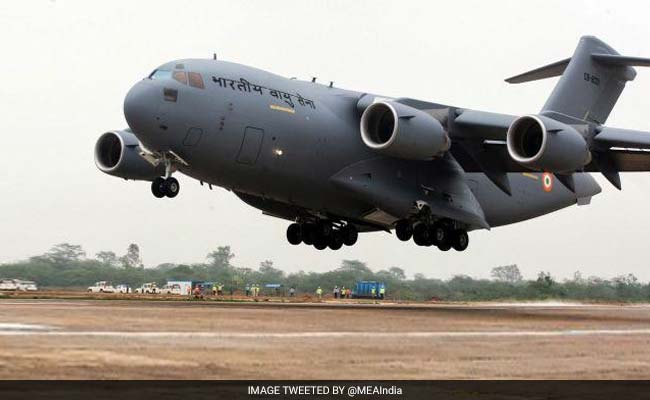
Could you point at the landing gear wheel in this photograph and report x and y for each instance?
(320, 243)
(350, 235)
(308, 234)
(444, 246)
(294, 234)
(421, 234)
(157, 187)
(172, 187)
(439, 234)
(336, 240)
(460, 240)
(404, 230)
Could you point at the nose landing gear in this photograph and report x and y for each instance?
(167, 186)
(161, 187)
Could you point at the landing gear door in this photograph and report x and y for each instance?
(251, 145)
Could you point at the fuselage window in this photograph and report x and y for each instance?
(180, 76)
(160, 74)
(196, 80)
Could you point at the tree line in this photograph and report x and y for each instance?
(67, 265)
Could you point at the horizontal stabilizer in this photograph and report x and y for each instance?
(621, 61)
(547, 71)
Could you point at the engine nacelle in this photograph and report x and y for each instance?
(401, 131)
(544, 144)
(117, 153)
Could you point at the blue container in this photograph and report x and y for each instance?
(363, 289)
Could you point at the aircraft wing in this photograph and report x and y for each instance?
(479, 145)
(480, 140)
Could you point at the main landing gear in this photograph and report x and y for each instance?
(322, 235)
(442, 234)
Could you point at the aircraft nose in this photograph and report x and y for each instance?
(140, 107)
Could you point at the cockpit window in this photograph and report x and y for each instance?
(196, 80)
(180, 76)
(160, 74)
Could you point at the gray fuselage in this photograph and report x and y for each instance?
(278, 143)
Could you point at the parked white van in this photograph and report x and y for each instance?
(101, 287)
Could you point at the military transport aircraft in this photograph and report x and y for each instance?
(338, 162)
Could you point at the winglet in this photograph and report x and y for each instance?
(547, 71)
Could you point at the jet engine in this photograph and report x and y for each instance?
(544, 144)
(401, 131)
(117, 153)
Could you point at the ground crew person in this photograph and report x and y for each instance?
(382, 292)
(248, 289)
(336, 292)
(342, 296)
(214, 289)
(373, 291)
(220, 289)
(319, 293)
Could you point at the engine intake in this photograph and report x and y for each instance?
(401, 131)
(117, 153)
(544, 144)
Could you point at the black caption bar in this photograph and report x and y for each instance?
(359, 390)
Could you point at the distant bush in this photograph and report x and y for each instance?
(66, 266)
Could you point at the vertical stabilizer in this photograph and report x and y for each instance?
(591, 81)
(589, 89)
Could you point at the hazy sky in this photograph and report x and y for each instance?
(68, 64)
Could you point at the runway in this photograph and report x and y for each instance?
(80, 339)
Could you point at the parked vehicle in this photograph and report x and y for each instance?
(25, 286)
(8, 284)
(148, 288)
(174, 288)
(123, 289)
(101, 287)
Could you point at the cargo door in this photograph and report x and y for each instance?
(251, 145)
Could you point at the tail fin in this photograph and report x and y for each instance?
(591, 83)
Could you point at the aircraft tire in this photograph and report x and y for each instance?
(157, 187)
(171, 187)
(404, 230)
(444, 246)
(439, 234)
(294, 234)
(350, 235)
(460, 240)
(335, 240)
(320, 243)
(308, 234)
(421, 234)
